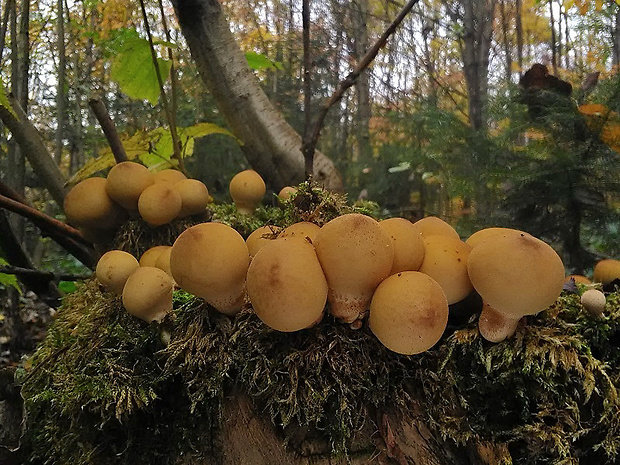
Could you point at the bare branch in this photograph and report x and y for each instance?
(107, 125)
(47, 275)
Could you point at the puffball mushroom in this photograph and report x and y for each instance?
(445, 260)
(408, 312)
(159, 203)
(194, 197)
(261, 236)
(356, 255)
(210, 260)
(163, 260)
(247, 189)
(431, 226)
(125, 183)
(484, 234)
(606, 271)
(286, 284)
(149, 257)
(88, 205)
(408, 244)
(593, 301)
(302, 229)
(148, 294)
(494, 326)
(516, 275)
(169, 175)
(113, 269)
(578, 279)
(286, 192)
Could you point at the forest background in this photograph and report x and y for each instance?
(436, 125)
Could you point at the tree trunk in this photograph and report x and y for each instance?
(61, 95)
(554, 43)
(616, 38)
(519, 31)
(270, 144)
(506, 41)
(362, 85)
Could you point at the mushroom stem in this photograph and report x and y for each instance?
(495, 326)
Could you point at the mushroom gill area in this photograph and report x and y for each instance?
(107, 388)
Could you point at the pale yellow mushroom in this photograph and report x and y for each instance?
(286, 192)
(445, 260)
(125, 183)
(303, 229)
(159, 203)
(169, 175)
(516, 275)
(356, 255)
(113, 269)
(88, 205)
(148, 294)
(577, 278)
(149, 257)
(408, 244)
(606, 271)
(431, 226)
(483, 234)
(163, 260)
(286, 285)
(408, 312)
(247, 189)
(194, 197)
(210, 260)
(261, 236)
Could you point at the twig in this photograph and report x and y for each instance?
(46, 275)
(305, 14)
(176, 144)
(107, 125)
(312, 137)
(173, 74)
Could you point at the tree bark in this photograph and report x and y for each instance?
(616, 38)
(362, 86)
(61, 95)
(271, 145)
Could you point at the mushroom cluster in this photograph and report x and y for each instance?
(97, 206)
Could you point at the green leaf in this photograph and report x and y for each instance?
(4, 100)
(134, 72)
(258, 62)
(403, 166)
(67, 287)
(8, 279)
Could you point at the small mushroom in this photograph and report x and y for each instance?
(125, 183)
(303, 229)
(148, 294)
(356, 255)
(247, 189)
(593, 301)
(408, 312)
(606, 271)
(286, 285)
(149, 258)
(194, 197)
(577, 278)
(163, 260)
(495, 326)
(169, 175)
(516, 275)
(408, 244)
(432, 226)
(210, 260)
(159, 203)
(483, 234)
(113, 269)
(261, 236)
(88, 205)
(445, 260)
(286, 192)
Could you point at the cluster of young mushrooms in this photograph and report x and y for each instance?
(399, 275)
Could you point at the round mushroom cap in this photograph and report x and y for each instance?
(408, 312)
(125, 183)
(594, 302)
(163, 260)
(303, 229)
(516, 274)
(578, 279)
(606, 271)
(286, 192)
(247, 189)
(210, 260)
(484, 234)
(261, 236)
(356, 255)
(286, 284)
(432, 226)
(149, 257)
(113, 269)
(88, 205)
(148, 294)
(445, 260)
(408, 244)
(159, 203)
(169, 175)
(194, 197)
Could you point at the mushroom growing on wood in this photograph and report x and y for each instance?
(286, 285)
(408, 244)
(125, 183)
(356, 255)
(159, 203)
(516, 275)
(148, 294)
(408, 312)
(210, 260)
(247, 189)
(88, 205)
(113, 269)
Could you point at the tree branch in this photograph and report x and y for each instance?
(312, 137)
(107, 125)
(44, 275)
